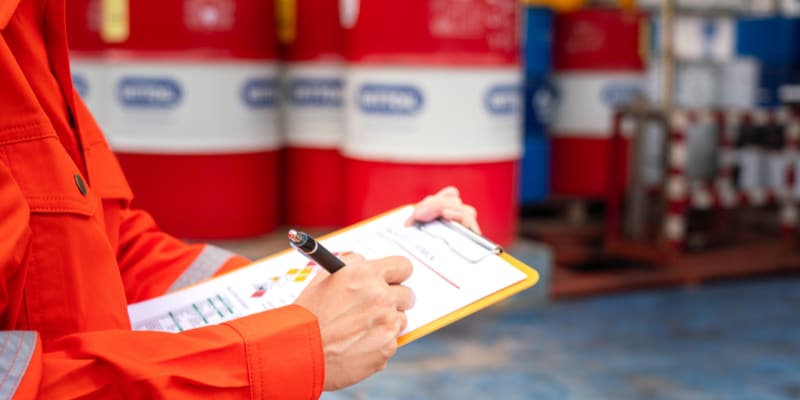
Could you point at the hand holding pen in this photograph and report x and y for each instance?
(312, 249)
(360, 310)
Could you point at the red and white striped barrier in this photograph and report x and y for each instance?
(186, 93)
(433, 94)
(311, 37)
(765, 176)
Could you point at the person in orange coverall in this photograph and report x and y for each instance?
(73, 255)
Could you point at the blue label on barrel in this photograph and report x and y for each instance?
(80, 84)
(147, 92)
(316, 92)
(502, 99)
(260, 93)
(389, 99)
(618, 93)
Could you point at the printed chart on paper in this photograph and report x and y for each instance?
(443, 279)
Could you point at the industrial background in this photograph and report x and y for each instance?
(641, 155)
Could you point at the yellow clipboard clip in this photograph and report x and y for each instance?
(491, 247)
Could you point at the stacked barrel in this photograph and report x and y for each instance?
(87, 58)
(539, 102)
(187, 97)
(599, 65)
(432, 98)
(311, 38)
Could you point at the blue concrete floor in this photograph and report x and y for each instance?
(733, 340)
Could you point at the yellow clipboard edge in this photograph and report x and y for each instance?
(531, 277)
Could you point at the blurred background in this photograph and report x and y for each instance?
(641, 155)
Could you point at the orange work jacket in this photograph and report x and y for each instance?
(73, 255)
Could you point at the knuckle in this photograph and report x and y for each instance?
(410, 296)
(402, 322)
(471, 210)
(384, 300)
(383, 307)
(350, 258)
(389, 350)
(381, 366)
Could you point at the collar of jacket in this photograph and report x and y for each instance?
(7, 8)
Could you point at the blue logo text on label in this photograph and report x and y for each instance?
(316, 92)
(389, 99)
(147, 92)
(503, 99)
(618, 93)
(80, 84)
(260, 93)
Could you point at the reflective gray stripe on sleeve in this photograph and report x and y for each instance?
(203, 267)
(16, 352)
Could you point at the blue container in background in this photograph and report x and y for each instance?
(540, 100)
(538, 41)
(540, 104)
(772, 78)
(535, 169)
(771, 40)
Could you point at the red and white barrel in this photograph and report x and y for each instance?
(311, 38)
(87, 56)
(433, 93)
(190, 103)
(598, 66)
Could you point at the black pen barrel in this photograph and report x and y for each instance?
(315, 251)
(326, 259)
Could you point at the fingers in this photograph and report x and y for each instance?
(395, 269)
(432, 206)
(403, 322)
(403, 297)
(446, 203)
(449, 191)
(467, 217)
(351, 258)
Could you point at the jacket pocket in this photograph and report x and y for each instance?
(71, 265)
(45, 173)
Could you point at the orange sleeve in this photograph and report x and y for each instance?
(152, 262)
(275, 354)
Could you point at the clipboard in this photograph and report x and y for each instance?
(492, 250)
(278, 279)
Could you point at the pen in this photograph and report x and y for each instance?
(312, 249)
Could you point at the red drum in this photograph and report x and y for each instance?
(433, 95)
(598, 65)
(311, 39)
(186, 92)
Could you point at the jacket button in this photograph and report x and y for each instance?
(80, 184)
